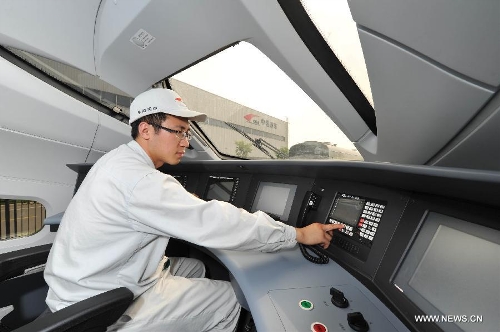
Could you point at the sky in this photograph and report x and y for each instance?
(246, 76)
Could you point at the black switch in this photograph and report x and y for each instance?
(338, 298)
(357, 322)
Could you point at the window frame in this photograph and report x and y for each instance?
(6, 217)
(319, 48)
(66, 89)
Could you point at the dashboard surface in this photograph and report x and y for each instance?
(418, 241)
(405, 226)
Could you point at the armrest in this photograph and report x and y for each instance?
(54, 220)
(13, 264)
(93, 314)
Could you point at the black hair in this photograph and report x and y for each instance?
(155, 120)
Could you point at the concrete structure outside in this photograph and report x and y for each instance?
(255, 124)
(322, 150)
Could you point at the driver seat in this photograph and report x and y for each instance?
(94, 314)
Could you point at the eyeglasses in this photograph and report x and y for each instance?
(179, 134)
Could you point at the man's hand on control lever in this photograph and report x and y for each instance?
(317, 234)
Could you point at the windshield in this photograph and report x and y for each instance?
(256, 111)
(334, 21)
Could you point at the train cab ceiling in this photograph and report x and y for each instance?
(433, 67)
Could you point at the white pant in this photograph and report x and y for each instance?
(182, 300)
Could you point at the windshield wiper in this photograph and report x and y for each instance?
(259, 143)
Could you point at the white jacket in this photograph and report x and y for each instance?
(115, 230)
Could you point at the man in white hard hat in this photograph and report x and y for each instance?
(115, 230)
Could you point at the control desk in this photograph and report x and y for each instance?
(418, 242)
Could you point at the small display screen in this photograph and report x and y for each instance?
(220, 188)
(347, 210)
(275, 199)
(182, 179)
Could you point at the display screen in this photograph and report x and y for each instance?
(221, 188)
(347, 210)
(182, 179)
(275, 199)
(452, 269)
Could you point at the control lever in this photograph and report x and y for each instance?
(357, 322)
(310, 202)
(338, 298)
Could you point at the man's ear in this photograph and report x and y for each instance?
(145, 130)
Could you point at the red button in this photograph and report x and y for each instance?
(318, 327)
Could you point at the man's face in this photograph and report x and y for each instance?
(166, 147)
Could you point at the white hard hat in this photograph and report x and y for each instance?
(164, 101)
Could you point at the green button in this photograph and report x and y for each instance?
(306, 305)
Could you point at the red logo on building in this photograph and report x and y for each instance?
(249, 117)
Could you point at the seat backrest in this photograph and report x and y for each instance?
(91, 315)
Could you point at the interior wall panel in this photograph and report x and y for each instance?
(45, 37)
(110, 134)
(419, 106)
(462, 35)
(29, 105)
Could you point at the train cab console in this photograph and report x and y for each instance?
(415, 253)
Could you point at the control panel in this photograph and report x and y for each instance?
(361, 217)
(327, 308)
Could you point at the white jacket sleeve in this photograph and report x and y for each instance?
(160, 205)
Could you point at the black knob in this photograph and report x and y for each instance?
(338, 298)
(357, 322)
